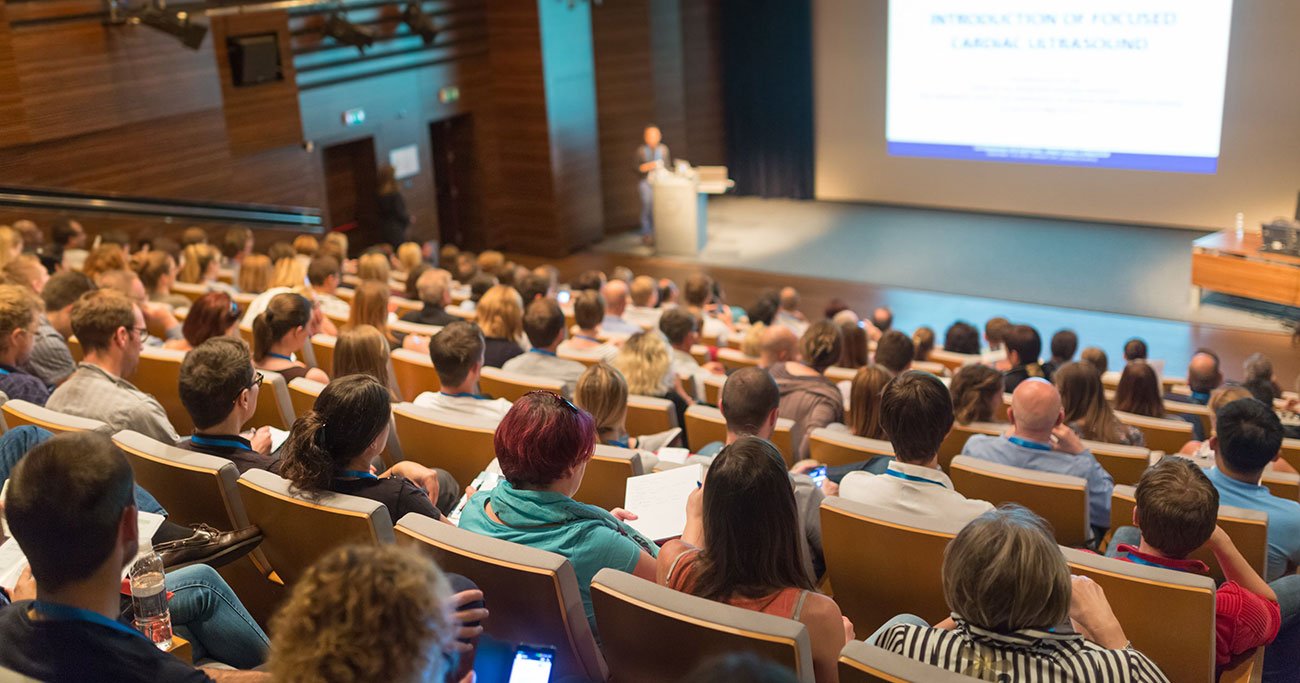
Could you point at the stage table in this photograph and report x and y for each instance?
(1225, 263)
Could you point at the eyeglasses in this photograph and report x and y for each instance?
(257, 379)
(560, 400)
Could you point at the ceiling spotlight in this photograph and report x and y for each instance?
(175, 23)
(348, 33)
(420, 23)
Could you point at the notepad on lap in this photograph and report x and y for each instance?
(659, 501)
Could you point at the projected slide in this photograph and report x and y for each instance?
(1132, 84)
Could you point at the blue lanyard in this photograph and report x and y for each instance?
(620, 444)
(220, 442)
(588, 338)
(3, 372)
(1029, 444)
(53, 611)
(912, 477)
(355, 473)
(1201, 397)
(281, 356)
(1140, 560)
(544, 352)
(466, 394)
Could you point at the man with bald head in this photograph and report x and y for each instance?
(1040, 440)
(789, 314)
(1203, 377)
(615, 293)
(777, 345)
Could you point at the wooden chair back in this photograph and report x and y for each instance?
(159, 374)
(74, 348)
(956, 440)
(461, 445)
(1291, 452)
(414, 373)
(861, 662)
(303, 393)
(732, 360)
(954, 361)
(713, 389)
(1194, 410)
(18, 413)
(512, 386)
(834, 448)
(705, 425)
(605, 482)
(1124, 463)
(1160, 434)
(274, 407)
(649, 415)
(322, 348)
(1060, 499)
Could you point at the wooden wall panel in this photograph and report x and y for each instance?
(625, 97)
(706, 138)
(263, 116)
(669, 79)
(13, 115)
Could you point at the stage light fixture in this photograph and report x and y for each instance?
(420, 23)
(174, 23)
(348, 33)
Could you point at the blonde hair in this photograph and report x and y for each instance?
(374, 266)
(1222, 397)
(752, 344)
(1004, 572)
(306, 245)
(365, 613)
(362, 350)
(11, 244)
(500, 313)
(195, 261)
(602, 391)
(491, 261)
(25, 270)
(864, 401)
(370, 307)
(255, 274)
(289, 272)
(339, 241)
(409, 255)
(18, 308)
(645, 362)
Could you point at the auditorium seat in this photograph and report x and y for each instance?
(414, 373)
(653, 633)
(1000, 413)
(414, 328)
(1291, 452)
(605, 482)
(710, 340)
(74, 348)
(1248, 530)
(18, 413)
(189, 290)
(512, 385)
(833, 448)
(274, 407)
(1196, 410)
(533, 594)
(1124, 463)
(932, 367)
(733, 360)
(586, 358)
(298, 530)
(159, 374)
(1147, 600)
(322, 347)
(871, 586)
(303, 393)
(713, 389)
(705, 425)
(649, 415)
(404, 305)
(246, 333)
(1282, 484)
(459, 444)
(700, 352)
(1168, 435)
(954, 361)
(1060, 499)
(956, 440)
(838, 374)
(864, 663)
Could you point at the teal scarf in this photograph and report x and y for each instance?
(522, 509)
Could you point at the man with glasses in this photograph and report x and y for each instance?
(219, 388)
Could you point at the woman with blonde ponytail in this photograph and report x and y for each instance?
(279, 332)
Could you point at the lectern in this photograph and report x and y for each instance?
(681, 207)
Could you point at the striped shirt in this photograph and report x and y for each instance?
(1025, 656)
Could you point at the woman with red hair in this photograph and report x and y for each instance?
(543, 445)
(214, 314)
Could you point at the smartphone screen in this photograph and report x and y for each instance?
(563, 296)
(818, 475)
(532, 664)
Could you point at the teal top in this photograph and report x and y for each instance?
(588, 537)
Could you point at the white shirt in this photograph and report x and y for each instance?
(613, 324)
(685, 365)
(538, 363)
(605, 352)
(912, 489)
(464, 404)
(333, 306)
(791, 321)
(715, 328)
(642, 315)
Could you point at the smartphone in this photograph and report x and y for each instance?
(818, 475)
(563, 296)
(532, 664)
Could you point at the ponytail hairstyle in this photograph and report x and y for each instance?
(350, 413)
(284, 313)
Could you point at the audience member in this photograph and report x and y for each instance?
(995, 330)
(1139, 390)
(279, 332)
(962, 337)
(894, 352)
(1200, 451)
(682, 331)
(157, 271)
(111, 331)
(1007, 584)
(491, 262)
(19, 311)
(544, 325)
(411, 290)
(335, 445)
(324, 275)
(916, 413)
(807, 397)
(588, 280)
(864, 402)
(698, 297)
(457, 355)
(1023, 346)
(68, 243)
(157, 316)
(588, 312)
(254, 274)
(646, 363)
(923, 342)
(219, 389)
(467, 268)
(11, 244)
(855, 353)
(1203, 377)
(364, 351)
(602, 392)
(50, 358)
(1083, 399)
(976, 394)
(667, 293)
(644, 293)
(409, 255)
(749, 555)
(789, 314)
(434, 287)
(777, 346)
(1096, 356)
(543, 446)
(373, 267)
(615, 293)
(236, 245)
(882, 319)
(765, 308)
(501, 317)
(214, 314)
(1040, 440)
(1063, 345)
(27, 270)
(194, 235)
(104, 258)
(1135, 349)
(290, 272)
(370, 307)
(200, 265)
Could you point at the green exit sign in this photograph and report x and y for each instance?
(354, 117)
(449, 94)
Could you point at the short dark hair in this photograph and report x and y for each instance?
(894, 351)
(588, 308)
(543, 322)
(1250, 435)
(532, 287)
(748, 397)
(97, 316)
(591, 279)
(697, 289)
(63, 232)
(455, 350)
(1135, 349)
(64, 288)
(65, 502)
(213, 376)
(321, 268)
(962, 337)
(916, 412)
(234, 241)
(765, 308)
(1064, 344)
(1177, 506)
(1024, 340)
(676, 323)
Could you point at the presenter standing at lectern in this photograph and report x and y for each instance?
(649, 156)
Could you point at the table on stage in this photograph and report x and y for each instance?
(1224, 262)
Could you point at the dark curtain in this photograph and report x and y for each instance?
(768, 96)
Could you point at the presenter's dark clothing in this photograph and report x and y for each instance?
(644, 155)
(393, 218)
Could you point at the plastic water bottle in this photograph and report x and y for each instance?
(149, 599)
(1241, 224)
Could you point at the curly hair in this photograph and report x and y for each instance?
(365, 613)
(821, 345)
(972, 390)
(645, 363)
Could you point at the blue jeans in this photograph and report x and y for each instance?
(206, 612)
(647, 208)
(895, 621)
(17, 441)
